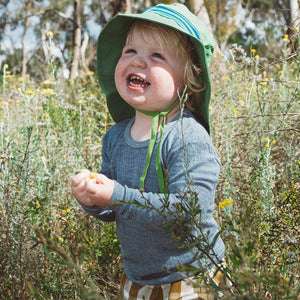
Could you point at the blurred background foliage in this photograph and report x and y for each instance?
(76, 24)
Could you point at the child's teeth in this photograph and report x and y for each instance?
(138, 82)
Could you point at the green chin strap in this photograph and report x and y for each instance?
(156, 115)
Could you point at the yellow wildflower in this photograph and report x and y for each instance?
(225, 78)
(267, 145)
(21, 79)
(273, 142)
(225, 104)
(256, 56)
(50, 34)
(210, 108)
(93, 175)
(37, 203)
(89, 119)
(236, 112)
(5, 66)
(267, 140)
(286, 38)
(68, 210)
(225, 203)
(80, 101)
(48, 91)
(253, 50)
(29, 92)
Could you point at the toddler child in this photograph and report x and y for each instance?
(145, 63)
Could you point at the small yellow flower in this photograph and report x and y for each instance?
(50, 34)
(61, 239)
(210, 108)
(225, 203)
(80, 101)
(5, 66)
(48, 91)
(225, 78)
(267, 140)
(236, 112)
(273, 142)
(21, 79)
(286, 39)
(267, 145)
(37, 203)
(29, 92)
(68, 210)
(253, 50)
(225, 104)
(93, 175)
(256, 56)
(89, 119)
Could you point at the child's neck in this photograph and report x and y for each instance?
(142, 125)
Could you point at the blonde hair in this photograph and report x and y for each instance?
(161, 34)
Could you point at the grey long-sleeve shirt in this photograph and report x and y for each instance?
(147, 249)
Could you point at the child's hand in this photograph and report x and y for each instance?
(92, 189)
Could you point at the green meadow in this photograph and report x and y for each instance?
(51, 249)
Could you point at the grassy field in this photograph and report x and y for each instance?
(50, 249)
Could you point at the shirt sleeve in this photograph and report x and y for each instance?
(192, 164)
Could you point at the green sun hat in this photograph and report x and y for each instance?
(112, 40)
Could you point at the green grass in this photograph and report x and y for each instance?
(49, 247)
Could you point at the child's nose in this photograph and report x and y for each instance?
(139, 62)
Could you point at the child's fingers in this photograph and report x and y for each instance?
(77, 179)
(92, 187)
(99, 179)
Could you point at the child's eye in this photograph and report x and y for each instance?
(157, 55)
(129, 50)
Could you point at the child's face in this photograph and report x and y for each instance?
(148, 75)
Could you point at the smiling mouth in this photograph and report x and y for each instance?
(137, 81)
